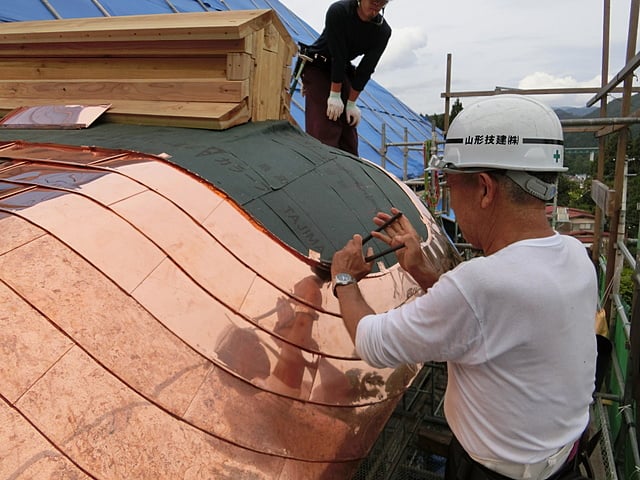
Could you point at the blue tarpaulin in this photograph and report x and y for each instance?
(381, 111)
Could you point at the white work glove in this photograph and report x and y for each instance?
(353, 114)
(335, 107)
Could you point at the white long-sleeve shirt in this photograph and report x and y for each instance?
(517, 331)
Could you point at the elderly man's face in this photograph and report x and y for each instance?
(463, 188)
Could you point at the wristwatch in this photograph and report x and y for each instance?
(342, 279)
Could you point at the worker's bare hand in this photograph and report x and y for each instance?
(410, 257)
(350, 259)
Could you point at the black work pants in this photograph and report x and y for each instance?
(317, 84)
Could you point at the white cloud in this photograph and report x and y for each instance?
(493, 43)
(405, 49)
(542, 80)
(545, 80)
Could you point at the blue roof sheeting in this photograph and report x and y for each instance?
(381, 111)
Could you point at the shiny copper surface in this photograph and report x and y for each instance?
(151, 329)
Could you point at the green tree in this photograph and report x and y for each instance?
(456, 108)
(575, 194)
(438, 118)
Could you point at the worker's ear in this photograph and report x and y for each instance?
(489, 189)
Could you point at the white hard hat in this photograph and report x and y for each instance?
(505, 132)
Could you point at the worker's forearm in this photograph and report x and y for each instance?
(424, 276)
(353, 307)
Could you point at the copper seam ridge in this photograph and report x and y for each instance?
(224, 368)
(11, 164)
(200, 354)
(8, 144)
(27, 145)
(243, 316)
(53, 324)
(197, 352)
(169, 412)
(216, 190)
(53, 445)
(150, 157)
(178, 266)
(62, 163)
(24, 190)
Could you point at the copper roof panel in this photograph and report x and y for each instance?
(90, 230)
(97, 184)
(16, 232)
(28, 454)
(57, 153)
(223, 406)
(80, 301)
(205, 260)
(275, 310)
(113, 433)
(25, 358)
(281, 265)
(194, 197)
(187, 337)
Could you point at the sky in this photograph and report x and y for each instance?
(506, 43)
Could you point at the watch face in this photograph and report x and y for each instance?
(344, 277)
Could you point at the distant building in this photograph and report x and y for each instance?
(572, 221)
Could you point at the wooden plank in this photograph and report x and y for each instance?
(239, 66)
(221, 117)
(269, 87)
(268, 105)
(289, 50)
(215, 90)
(231, 24)
(187, 114)
(151, 48)
(270, 38)
(107, 68)
(191, 109)
(603, 196)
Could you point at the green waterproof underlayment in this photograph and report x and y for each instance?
(312, 197)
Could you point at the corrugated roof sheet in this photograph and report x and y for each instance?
(380, 109)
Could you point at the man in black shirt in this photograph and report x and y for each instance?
(352, 28)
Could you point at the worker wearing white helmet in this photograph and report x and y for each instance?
(531, 141)
(516, 325)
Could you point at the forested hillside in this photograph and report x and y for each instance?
(574, 190)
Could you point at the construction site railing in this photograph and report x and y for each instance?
(617, 401)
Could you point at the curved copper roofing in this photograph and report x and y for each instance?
(152, 327)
